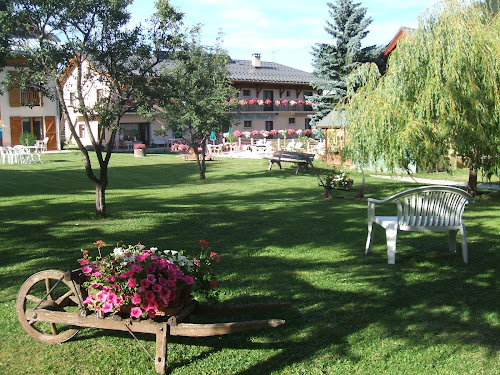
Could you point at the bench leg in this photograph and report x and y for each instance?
(270, 165)
(452, 240)
(391, 234)
(369, 238)
(465, 251)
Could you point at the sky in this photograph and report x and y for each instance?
(283, 31)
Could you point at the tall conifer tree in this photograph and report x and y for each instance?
(334, 62)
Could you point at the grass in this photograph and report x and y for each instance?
(279, 239)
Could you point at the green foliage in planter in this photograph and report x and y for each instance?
(27, 139)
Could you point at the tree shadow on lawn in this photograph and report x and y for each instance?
(429, 292)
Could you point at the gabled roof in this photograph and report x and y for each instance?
(394, 42)
(242, 70)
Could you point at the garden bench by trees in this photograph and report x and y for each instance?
(423, 209)
(302, 159)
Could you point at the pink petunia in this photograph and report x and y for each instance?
(86, 269)
(149, 296)
(83, 262)
(162, 281)
(136, 299)
(196, 262)
(135, 312)
(107, 307)
(96, 274)
(132, 283)
(151, 313)
(157, 288)
(145, 283)
(188, 279)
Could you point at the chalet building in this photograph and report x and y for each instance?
(272, 96)
(27, 111)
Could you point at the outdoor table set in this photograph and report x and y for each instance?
(21, 154)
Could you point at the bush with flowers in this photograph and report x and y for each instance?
(332, 179)
(139, 146)
(145, 281)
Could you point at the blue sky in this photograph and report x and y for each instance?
(283, 31)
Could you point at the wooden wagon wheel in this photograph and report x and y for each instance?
(51, 291)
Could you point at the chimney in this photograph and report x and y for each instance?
(256, 60)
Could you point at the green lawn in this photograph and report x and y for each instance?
(279, 240)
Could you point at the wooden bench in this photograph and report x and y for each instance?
(424, 209)
(302, 159)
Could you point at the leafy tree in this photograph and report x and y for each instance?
(67, 33)
(441, 93)
(334, 62)
(194, 95)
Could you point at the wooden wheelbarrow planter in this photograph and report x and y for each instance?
(50, 309)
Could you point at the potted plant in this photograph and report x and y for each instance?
(140, 150)
(139, 282)
(27, 139)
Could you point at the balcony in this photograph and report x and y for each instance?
(275, 108)
(31, 98)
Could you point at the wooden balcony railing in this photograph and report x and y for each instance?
(31, 98)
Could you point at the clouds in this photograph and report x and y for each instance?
(283, 32)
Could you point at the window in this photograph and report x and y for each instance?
(288, 93)
(98, 94)
(32, 125)
(31, 97)
(247, 124)
(308, 123)
(291, 120)
(247, 92)
(135, 132)
(307, 94)
(81, 130)
(72, 99)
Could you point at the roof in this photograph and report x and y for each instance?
(394, 42)
(242, 70)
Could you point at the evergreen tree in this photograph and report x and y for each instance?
(334, 62)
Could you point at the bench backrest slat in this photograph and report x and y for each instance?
(431, 207)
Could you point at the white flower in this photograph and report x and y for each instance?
(123, 264)
(153, 249)
(118, 252)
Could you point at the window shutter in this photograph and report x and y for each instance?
(51, 132)
(15, 130)
(14, 92)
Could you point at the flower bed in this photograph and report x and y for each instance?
(145, 282)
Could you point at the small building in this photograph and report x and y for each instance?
(27, 110)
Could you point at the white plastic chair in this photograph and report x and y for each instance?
(424, 209)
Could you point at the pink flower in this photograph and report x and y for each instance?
(83, 262)
(149, 296)
(162, 281)
(88, 299)
(196, 262)
(151, 313)
(86, 269)
(107, 307)
(96, 274)
(145, 283)
(284, 101)
(215, 256)
(188, 279)
(136, 299)
(157, 288)
(136, 312)
(132, 283)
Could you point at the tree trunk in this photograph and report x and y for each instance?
(100, 200)
(472, 185)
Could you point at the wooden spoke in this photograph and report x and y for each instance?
(40, 284)
(34, 299)
(62, 299)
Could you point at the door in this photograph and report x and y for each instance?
(51, 132)
(269, 127)
(269, 94)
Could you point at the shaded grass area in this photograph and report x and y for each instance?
(279, 239)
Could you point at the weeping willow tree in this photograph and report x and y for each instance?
(440, 95)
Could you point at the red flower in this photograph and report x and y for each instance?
(213, 284)
(215, 256)
(203, 243)
(100, 243)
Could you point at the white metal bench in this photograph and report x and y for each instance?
(424, 209)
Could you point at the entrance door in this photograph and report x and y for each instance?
(269, 127)
(269, 94)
